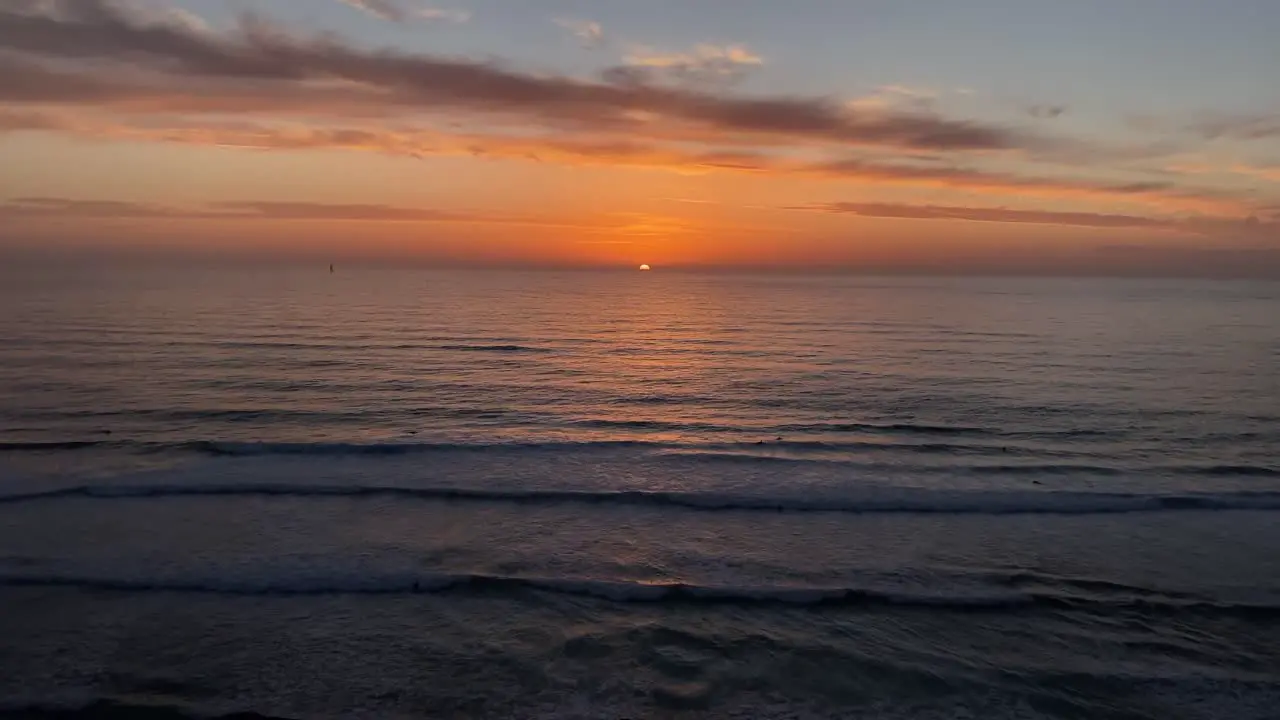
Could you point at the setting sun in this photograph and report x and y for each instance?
(645, 268)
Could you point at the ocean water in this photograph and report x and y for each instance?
(401, 493)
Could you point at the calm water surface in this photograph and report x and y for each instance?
(397, 493)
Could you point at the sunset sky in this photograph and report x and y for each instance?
(984, 135)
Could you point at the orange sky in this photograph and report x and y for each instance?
(256, 135)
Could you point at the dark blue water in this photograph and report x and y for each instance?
(404, 493)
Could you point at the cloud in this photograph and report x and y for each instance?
(52, 207)
(66, 208)
(1248, 228)
(1264, 172)
(61, 208)
(443, 14)
(589, 32)
(392, 12)
(1158, 193)
(888, 98)
(906, 91)
(570, 148)
(333, 211)
(18, 120)
(46, 209)
(383, 9)
(407, 141)
(140, 59)
(704, 65)
(986, 214)
(1270, 173)
(1239, 127)
(1046, 112)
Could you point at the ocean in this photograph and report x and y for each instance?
(271, 490)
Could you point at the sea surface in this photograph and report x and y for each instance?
(397, 493)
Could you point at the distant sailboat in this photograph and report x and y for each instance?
(330, 268)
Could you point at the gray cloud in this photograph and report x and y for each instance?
(336, 211)
(1239, 127)
(1046, 112)
(589, 32)
(1159, 192)
(60, 208)
(1249, 229)
(136, 55)
(42, 207)
(54, 207)
(987, 214)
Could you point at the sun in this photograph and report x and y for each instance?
(645, 268)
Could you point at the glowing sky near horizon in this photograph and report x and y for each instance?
(876, 133)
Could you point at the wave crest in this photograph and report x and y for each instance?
(921, 502)
(639, 591)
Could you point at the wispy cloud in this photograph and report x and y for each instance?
(447, 15)
(1270, 173)
(341, 211)
(57, 207)
(35, 211)
(704, 65)
(1248, 228)
(907, 91)
(1159, 193)
(384, 9)
(50, 207)
(895, 97)
(62, 208)
(394, 12)
(700, 55)
(985, 214)
(1260, 126)
(1046, 112)
(588, 32)
(635, 153)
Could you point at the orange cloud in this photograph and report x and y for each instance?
(704, 65)
(1271, 172)
(606, 151)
